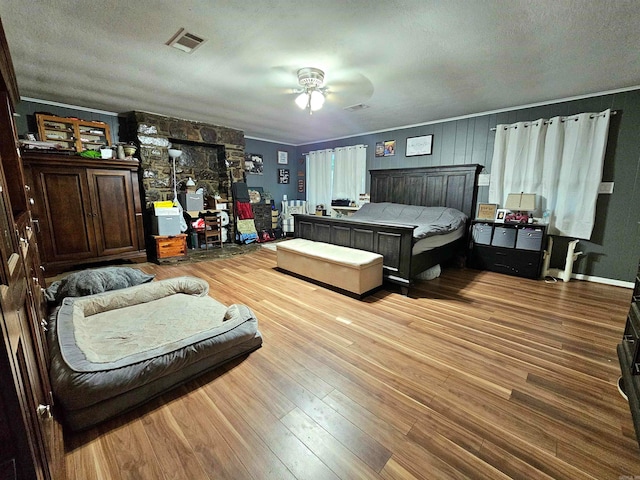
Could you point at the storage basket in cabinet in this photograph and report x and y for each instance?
(481, 233)
(529, 238)
(504, 237)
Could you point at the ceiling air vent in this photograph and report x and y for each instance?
(185, 41)
(355, 108)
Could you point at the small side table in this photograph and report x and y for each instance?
(171, 247)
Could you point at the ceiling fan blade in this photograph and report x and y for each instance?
(349, 89)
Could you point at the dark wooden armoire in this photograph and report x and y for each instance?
(31, 445)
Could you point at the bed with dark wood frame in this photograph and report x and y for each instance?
(449, 186)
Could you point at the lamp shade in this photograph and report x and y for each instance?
(174, 152)
(523, 202)
(312, 99)
(302, 100)
(317, 100)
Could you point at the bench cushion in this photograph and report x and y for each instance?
(332, 253)
(350, 269)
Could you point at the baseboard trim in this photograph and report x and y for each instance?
(606, 281)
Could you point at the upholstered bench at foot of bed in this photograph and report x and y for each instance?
(355, 271)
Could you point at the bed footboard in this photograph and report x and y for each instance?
(393, 242)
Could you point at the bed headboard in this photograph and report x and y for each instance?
(452, 186)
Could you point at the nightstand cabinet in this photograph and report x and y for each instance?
(511, 248)
(629, 356)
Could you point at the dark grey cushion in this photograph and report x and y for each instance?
(88, 282)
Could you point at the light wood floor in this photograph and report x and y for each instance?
(476, 375)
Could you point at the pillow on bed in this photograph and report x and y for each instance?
(88, 282)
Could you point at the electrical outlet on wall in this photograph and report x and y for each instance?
(605, 187)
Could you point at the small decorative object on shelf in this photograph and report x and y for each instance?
(130, 150)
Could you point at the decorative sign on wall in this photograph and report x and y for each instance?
(379, 149)
(419, 145)
(283, 157)
(301, 185)
(283, 175)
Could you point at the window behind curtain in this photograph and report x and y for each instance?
(336, 174)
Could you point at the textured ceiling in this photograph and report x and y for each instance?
(411, 61)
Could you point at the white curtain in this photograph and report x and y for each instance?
(349, 172)
(560, 160)
(319, 179)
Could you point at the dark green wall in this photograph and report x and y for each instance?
(614, 248)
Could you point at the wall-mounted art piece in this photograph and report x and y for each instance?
(283, 157)
(389, 148)
(422, 145)
(283, 175)
(379, 149)
(253, 163)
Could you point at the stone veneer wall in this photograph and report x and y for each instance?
(213, 156)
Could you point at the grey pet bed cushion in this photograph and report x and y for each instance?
(92, 281)
(115, 350)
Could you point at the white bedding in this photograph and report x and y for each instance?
(437, 241)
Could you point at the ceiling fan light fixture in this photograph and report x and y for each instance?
(302, 100)
(312, 97)
(317, 100)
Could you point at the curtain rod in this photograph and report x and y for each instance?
(562, 119)
(365, 146)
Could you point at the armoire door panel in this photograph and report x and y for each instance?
(68, 229)
(112, 204)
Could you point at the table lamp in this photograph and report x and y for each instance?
(522, 204)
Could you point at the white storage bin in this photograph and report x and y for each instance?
(166, 225)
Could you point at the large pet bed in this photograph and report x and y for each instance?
(115, 350)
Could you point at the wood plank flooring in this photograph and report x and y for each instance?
(476, 375)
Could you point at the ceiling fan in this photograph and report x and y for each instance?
(343, 88)
(312, 95)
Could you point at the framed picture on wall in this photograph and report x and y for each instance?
(283, 175)
(422, 145)
(389, 148)
(283, 157)
(379, 149)
(253, 163)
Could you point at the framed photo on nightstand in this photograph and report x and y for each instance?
(486, 211)
(501, 213)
